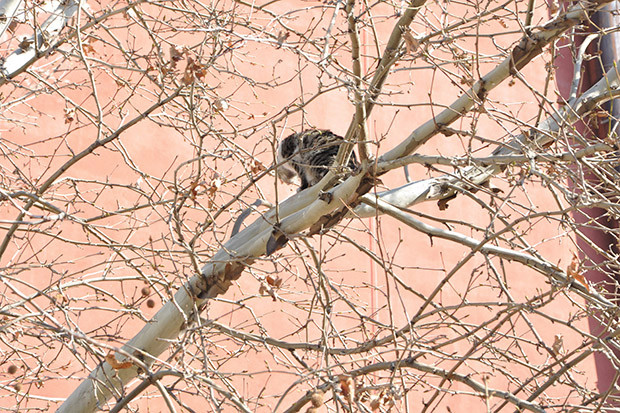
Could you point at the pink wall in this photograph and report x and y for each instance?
(418, 260)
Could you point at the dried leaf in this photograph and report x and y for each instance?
(573, 267)
(216, 184)
(582, 280)
(443, 204)
(87, 47)
(467, 80)
(375, 403)
(558, 345)
(117, 365)
(25, 43)
(69, 115)
(383, 399)
(411, 43)
(317, 398)
(175, 54)
(552, 170)
(220, 105)
(553, 6)
(61, 299)
(187, 78)
(256, 166)
(274, 282)
(200, 71)
(194, 70)
(347, 386)
(282, 36)
(572, 271)
(265, 289)
(193, 192)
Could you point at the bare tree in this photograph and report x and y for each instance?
(150, 257)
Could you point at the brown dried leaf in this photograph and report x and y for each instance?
(187, 78)
(582, 280)
(317, 398)
(375, 403)
(573, 267)
(552, 170)
(216, 184)
(443, 204)
(200, 71)
(411, 43)
(256, 166)
(25, 43)
(117, 365)
(265, 289)
(193, 192)
(194, 70)
(69, 115)
(175, 56)
(347, 386)
(467, 80)
(87, 47)
(274, 282)
(572, 271)
(553, 7)
(558, 345)
(220, 105)
(282, 36)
